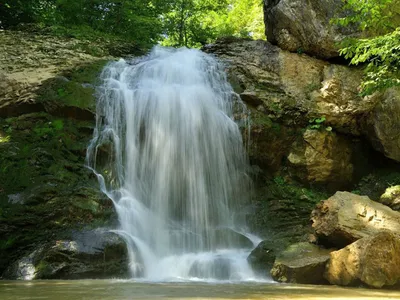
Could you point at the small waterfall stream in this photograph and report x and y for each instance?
(168, 153)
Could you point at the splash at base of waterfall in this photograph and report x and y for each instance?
(168, 153)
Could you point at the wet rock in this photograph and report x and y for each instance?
(262, 258)
(345, 217)
(90, 254)
(226, 238)
(296, 25)
(391, 197)
(322, 157)
(371, 260)
(301, 263)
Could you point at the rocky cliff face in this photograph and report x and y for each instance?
(304, 26)
(47, 196)
(313, 134)
(307, 112)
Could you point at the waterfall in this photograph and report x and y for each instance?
(167, 151)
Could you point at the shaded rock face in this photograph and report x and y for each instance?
(281, 214)
(301, 263)
(322, 157)
(91, 254)
(381, 126)
(304, 26)
(345, 217)
(371, 260)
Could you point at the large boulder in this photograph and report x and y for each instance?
(322, 156)
(301, 263)
(90, 254)
(372, 260)
(262, 257)
(345, 218)
(381, 126)
(304, 26)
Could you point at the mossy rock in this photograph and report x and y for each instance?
(72, 94)
(45, 188)
(301, 263)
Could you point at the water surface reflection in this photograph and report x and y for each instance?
(116, 289)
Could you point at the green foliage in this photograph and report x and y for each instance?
(380, 51)
(244, 19)
(133, 20)
(382, 56)
(14, 12)
(51, 128)
(190, 23)
(318, 123)
(373, 15)
(279, 180)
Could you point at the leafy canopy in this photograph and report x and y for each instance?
(190, 23)
(379, 20)
(197, 22)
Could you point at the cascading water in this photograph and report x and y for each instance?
(167, 152)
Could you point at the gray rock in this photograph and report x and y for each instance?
(381, 126)
(304, 26)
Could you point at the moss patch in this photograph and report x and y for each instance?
(282, 211)
(76, 87)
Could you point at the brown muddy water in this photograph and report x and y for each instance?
(117, 289)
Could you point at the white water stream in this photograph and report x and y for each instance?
(168, 153)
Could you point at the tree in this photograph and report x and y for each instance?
(14, 12)
(380, 50)
(191, 23)
(244, 19)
